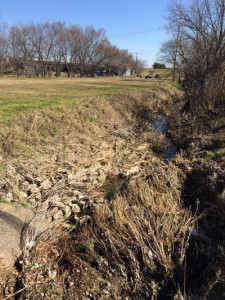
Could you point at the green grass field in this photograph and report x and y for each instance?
(23, 94)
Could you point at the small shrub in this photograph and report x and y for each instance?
(209, 154)
(158, 147)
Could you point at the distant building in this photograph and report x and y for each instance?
(126, 72)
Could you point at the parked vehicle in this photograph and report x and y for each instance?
(149, 76)
(158, 76)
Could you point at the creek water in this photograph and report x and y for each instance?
(118, 184)
(115, 185)
(160, 127)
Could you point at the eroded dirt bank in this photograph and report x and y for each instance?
(138, 245)
(202, 142)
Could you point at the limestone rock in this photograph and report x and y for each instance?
(33, 188)
(46, 184)
(25, 186)
(55, 198)
(52, 212)
(133, 171)
(75, 208)
(58, 215)
(72, 178)
(38, 196)
(101, 177)
(22, 195)
(67, 211)
(8, 197)
(82, 204)
(143, 147)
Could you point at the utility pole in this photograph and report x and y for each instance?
(136, 61)
(136, 55)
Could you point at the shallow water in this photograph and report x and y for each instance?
(118, 184)
(160, 127)
(114, 186)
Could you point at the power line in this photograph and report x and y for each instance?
(136, 33)
(150, 52)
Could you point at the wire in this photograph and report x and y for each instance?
(136, 33)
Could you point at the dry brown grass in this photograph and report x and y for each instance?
(145, 233)
(24, 134)
(92, 135)
(132, 247)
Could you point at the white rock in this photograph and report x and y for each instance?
(38, 196)
(143, 147)
(101, 177)
(25, 186)
(33, 188)
(82, 204)
(46, 184)
(67, 212)
(75, 208)
(58, 215)
(55, 198)
(133, 171)
(52, 212)
(9, 197)
(58, 204)
(22, 195)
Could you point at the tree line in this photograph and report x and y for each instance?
(52, 47)
(196, 51)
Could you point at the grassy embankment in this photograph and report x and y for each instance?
(21, 95)
(77, 133)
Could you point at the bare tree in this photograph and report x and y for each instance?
(125, 60)
(202, 28)
(52, 46)
(16, 48)
(111, 60)
(44, 39)
(99, 47)
(76, 52)
(3, 47)
(137, 66)
(170, 54)
(59, 50)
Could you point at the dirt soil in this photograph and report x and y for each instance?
(202, 142)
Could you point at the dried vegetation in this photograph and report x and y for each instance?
(57, 160)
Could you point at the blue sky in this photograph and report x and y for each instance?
(136, 25)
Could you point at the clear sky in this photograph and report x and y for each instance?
(136, 25)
